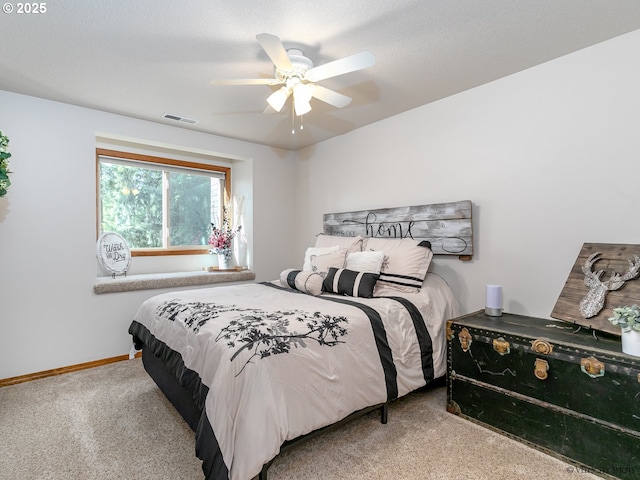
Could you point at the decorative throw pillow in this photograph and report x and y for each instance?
(322, 263)
(306, 266)
(405, 264)
(306, 282)
(352, 244)
(370, 261)
(348, 282)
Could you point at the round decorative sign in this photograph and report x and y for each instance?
(113, 253)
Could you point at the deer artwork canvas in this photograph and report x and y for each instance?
(594, 300)
(604, 276)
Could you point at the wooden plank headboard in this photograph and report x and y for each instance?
(446, 225)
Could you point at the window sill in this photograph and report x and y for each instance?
(168, 280)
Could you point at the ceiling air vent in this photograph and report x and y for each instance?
(178, 118)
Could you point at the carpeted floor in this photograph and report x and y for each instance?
(112, 422)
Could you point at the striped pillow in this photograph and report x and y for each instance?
(305, 282)
(405, 264)
(350, 282)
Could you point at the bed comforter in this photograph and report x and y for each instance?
(268, 364)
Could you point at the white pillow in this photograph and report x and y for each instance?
(306, 266)
(322, 263)
(352, 244)
(370, 261)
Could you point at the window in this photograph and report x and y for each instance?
(159, 205)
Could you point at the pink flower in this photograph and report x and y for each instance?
(220, 238)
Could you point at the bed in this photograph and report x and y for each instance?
(256, 368)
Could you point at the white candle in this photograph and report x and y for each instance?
(493, 305)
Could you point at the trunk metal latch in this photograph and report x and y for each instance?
(465, 339)
(592, 367)
(541, 346)
(541, 369)
(501, 346)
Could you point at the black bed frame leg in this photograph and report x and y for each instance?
(384, 412)
(263, 473)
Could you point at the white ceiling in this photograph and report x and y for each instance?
(144, 58)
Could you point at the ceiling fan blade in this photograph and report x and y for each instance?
(331, 97)
(276, 51)
(246, 81)
(354, 62)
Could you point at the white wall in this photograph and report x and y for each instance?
(550, 158)
(49, 315)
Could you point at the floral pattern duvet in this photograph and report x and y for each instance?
(272, 364)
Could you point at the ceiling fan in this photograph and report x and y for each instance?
(298, 76)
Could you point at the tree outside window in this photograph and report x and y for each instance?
(160, 206)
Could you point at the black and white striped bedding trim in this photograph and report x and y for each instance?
(207, 447)
(384, 350)
(189, 379)
(379, 334)
(404, 280)
(424, 339)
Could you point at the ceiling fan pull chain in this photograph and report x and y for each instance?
(293, 122)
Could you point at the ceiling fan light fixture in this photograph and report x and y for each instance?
(301, 106)
(301, 96)
(278, 98)
(298, 77)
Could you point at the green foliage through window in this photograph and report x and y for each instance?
(190, 209)
(131, 203)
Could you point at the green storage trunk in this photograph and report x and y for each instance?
(569, 392)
